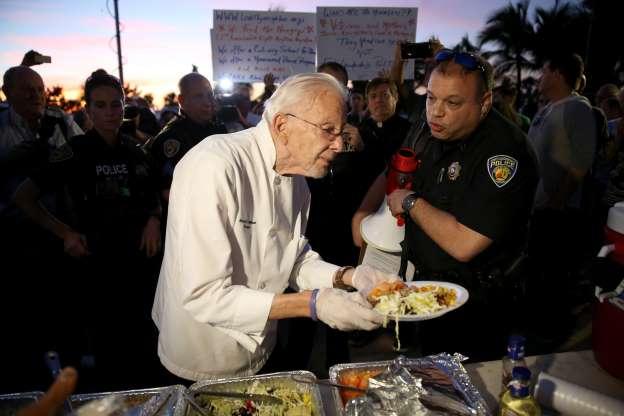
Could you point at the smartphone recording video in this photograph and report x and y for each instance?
(420, 50)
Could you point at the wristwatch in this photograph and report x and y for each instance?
(338, 283)
(408, 202)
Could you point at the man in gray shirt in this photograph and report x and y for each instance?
(563, 135)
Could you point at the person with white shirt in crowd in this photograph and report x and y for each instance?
(237, 215)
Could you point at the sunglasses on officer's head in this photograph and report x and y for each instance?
(467, 60)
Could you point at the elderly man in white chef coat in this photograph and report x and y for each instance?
(238, 211)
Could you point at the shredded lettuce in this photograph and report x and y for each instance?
(295, 403)
(413, 303)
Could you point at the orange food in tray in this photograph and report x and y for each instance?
(355, 378)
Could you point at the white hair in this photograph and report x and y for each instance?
(300, 89)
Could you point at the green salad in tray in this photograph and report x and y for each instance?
(294, 402)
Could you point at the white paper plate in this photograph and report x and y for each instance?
(462, 297)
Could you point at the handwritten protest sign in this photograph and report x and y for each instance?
(363, 38)
(248, 44)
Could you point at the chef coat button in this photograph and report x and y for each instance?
(272, 232)
(262, 285)
(277, 180)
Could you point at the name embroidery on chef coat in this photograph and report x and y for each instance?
(502, 169)
(247, 223)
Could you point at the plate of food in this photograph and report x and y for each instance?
(416, 301)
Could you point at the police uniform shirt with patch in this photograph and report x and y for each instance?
(23, 151)
(486, 181)
(178, 137)
(111, 192)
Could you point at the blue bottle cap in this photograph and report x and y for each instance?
(517, 339)
(515, 348)
(521, 373)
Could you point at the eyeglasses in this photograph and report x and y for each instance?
(467, 60)
(331, 132)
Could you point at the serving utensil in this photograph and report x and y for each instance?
(326, 383)
(256, 398)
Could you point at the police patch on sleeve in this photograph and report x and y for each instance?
(171, 147)
(502, 169)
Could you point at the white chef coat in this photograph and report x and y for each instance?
(234, 239)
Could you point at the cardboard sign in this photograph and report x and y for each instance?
(246, 45)
(363, 38)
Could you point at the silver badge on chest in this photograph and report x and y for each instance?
(453, 171)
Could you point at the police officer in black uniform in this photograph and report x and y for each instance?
(468, 212)
(32, 135)
(195, 122)
(110, 228)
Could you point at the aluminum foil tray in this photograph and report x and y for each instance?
(173, 407)
(11, 403)
(444, 371)
(273, 379)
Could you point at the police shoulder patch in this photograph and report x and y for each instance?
(171, 147)
(502, 169)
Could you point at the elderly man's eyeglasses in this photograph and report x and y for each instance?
(467, 60)
(329, 131)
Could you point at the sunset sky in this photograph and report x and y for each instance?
(161, 40)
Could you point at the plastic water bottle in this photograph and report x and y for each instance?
(514, 358)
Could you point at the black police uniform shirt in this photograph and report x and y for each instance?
(487, 182)
(110, 192)
(177, 138)
(24, 152)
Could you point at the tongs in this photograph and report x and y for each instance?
(256, 398)
(300, 379)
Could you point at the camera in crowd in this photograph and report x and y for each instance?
(417, 51)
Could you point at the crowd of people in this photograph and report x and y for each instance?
(230, 222)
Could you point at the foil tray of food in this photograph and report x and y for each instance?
(440, 383)
(158, 401)
(11, 403)
(291, 393)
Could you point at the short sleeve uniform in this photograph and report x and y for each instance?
(487, 182)
(177, 138)
(110, 189)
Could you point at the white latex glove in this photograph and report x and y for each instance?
(365, 278)
(346, 311)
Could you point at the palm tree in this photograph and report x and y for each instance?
(511, 33)
(465, 45)
(560, 29)
(603, 34)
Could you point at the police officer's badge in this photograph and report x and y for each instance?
(171, 147)
(502, 169)
(453, 171)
